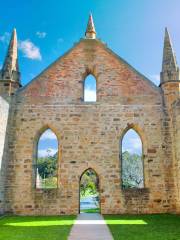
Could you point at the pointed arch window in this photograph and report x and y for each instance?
(47, 160)
(90, 92)
(132, 170)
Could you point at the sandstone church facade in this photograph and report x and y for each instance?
(89, 134)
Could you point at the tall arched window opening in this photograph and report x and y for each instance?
(90, 89)
(132, 170)
(47, 159)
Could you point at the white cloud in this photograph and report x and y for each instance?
(90, 95)
(48, 134)
(5, 38)
(41, 34)
(47, 152)
(136, 143)
(30, 50)
(155, 78)
(133, 145)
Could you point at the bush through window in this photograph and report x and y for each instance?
(47, 159)
(132, 163)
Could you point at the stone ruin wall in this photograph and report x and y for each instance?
(89, 135)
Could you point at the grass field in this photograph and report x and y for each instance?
(123, 227)
(144, 227)
(35, 228)
(91, 210)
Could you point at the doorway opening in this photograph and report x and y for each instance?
(89, 196)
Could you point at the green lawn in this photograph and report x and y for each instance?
(144, 227)
(91, 210)
(35, 228)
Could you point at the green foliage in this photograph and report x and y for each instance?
(47, 166)
(89, 184)
(132, 170)
(47, 172)
(50, 182)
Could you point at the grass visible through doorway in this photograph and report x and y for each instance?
(91, 210)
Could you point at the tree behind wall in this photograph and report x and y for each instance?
(132, 170)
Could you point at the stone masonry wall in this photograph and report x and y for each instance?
(4, 110)
(89, 134)
(171, 141)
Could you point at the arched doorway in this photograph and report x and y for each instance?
(89, 196)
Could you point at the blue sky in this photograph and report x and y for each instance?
(132, 142)
(48, 144)
(133, 29)
(90, 89)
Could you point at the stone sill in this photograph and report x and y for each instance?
(45, 190)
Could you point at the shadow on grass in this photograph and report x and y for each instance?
(145, 227)
(35, 228)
